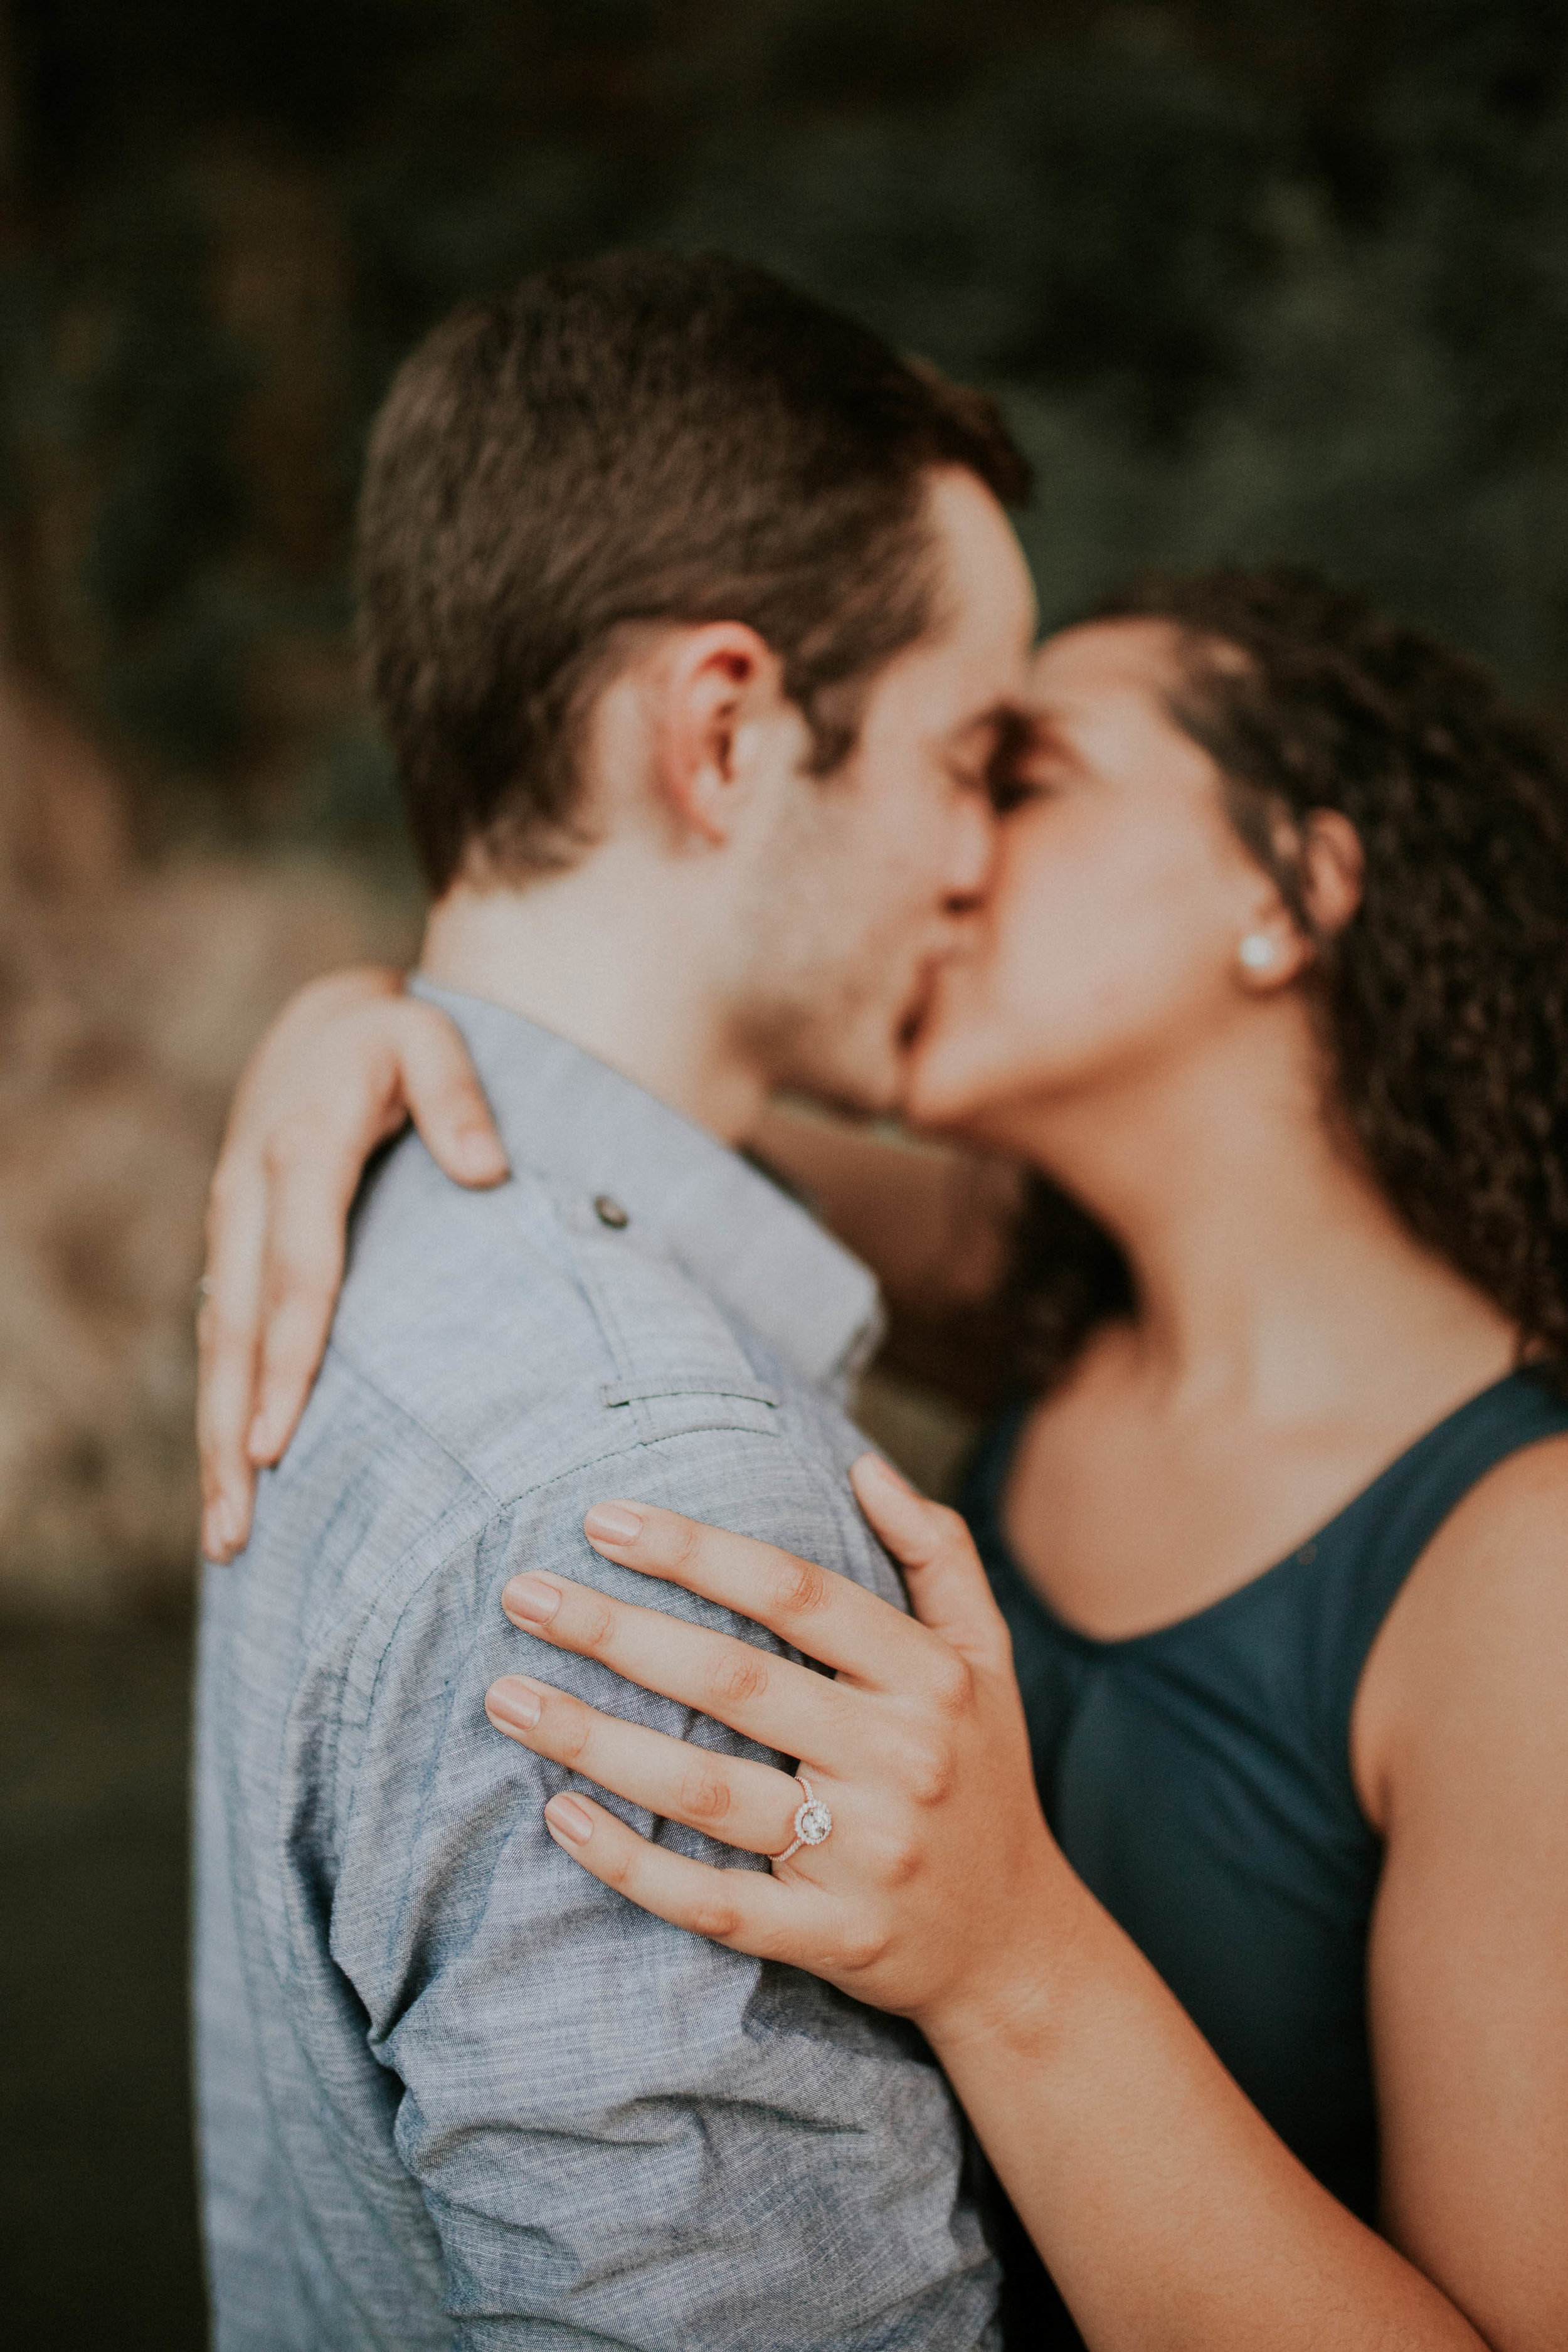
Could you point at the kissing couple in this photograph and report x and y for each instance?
(661, 1882)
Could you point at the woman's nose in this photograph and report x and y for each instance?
(973, 852)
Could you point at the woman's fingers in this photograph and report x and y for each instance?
(312, 1171)
(227, 1322)
(813, 1610)
(363, 1077)
(770, 1699)
(346, 1062)
(278, 1082)
(947, 1584)
(748, 1910)
(444, 1098)
(746, 1803)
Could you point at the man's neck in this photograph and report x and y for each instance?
(609, 956)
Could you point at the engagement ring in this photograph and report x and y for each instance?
(811, 1821)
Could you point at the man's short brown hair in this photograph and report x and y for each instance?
(642, 438)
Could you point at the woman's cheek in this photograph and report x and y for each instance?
(948, 1071)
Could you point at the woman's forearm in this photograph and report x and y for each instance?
(1167, 2211)
(933, 1225)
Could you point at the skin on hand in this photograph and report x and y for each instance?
(919, 1716)
(346, 1062)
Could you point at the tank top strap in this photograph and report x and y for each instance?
(990, 1459)
(1362, 1559)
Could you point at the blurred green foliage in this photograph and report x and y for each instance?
(1254, 278)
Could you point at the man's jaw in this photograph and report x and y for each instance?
(863, 1073)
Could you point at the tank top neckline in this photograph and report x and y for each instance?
(1301, 1556)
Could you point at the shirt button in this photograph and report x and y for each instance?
(610, 1212)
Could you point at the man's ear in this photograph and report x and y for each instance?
(715, 683)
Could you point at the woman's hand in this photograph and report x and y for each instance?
(346, 1062)
(1163, 2206)
(918, 1900)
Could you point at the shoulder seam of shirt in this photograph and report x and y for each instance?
(502, 1499)
(631, 1365)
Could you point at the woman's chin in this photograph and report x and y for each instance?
(944, 1087)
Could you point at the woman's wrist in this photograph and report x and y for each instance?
(1009, 1994)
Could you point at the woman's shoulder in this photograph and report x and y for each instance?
(1505, 1540)
(1466, 1668)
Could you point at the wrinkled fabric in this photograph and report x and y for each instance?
(452, 2091)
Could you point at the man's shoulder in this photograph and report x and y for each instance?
(526, 1328)
(500, 1361)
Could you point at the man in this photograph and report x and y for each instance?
(691, 613)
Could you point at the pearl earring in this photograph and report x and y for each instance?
(1255, 953)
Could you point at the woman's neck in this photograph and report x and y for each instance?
(1271, 1274)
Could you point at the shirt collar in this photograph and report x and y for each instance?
(573, 1120)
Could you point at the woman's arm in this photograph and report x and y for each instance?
(933, 1225)
(1460, 1742)
(348, 1060)
(1167, 2209)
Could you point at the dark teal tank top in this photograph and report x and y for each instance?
(1198, 1779)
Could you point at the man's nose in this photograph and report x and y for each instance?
(973, 854)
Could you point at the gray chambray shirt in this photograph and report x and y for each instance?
(453, 2092)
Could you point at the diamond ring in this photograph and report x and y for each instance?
(811, 1821)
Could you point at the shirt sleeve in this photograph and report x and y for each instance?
(626, 2135)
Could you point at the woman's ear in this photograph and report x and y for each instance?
(1334, 867)
(1275, 947)
(714, 680)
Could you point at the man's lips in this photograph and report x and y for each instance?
(918, 1010)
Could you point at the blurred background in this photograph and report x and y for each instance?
(1253, 278)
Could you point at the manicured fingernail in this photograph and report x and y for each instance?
(530, 1598)
(260, 1444)
(569, 1821)
(479, 1154)
(610, 1523)
(514, 1700)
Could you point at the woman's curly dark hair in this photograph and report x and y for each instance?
(1443, 1003)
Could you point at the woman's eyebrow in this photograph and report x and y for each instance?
(985, 723)
(1046, 732)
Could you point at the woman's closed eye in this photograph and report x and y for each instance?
(1010, 793)
(1027, 767)
(1038, 775)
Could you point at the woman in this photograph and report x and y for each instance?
(1268, 997)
